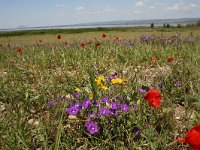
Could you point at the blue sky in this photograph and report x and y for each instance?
(14, 13)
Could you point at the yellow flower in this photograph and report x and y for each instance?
(77, 90)
(102, 87)
(91, 95)
(117, 81)
(99, 79)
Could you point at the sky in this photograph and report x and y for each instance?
(34, 13)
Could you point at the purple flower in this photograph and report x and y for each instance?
(95, 103)
(113, 105)
(136, 131)
(92, 127)
(178, 83)
(104, 99)
(153, 85)
(134, 106)
(52, 103)
(114, 112)
(160, 85)
(72, 110)
(142, 91)
(124, 107)
(104, 111)
(92, 116)
(76, 95)
(86, 103)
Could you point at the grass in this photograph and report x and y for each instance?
(51, 70)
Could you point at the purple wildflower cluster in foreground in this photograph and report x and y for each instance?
(105, 107)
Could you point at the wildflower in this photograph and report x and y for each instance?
(76, 95)
(91, 95)
(103, 35)
(153, 59)
(170, 59)
(40, 41)
(142, 91)
(1, 45)
(160, 85)
(99, 79)
(59, 36)
(104, 99)
(117, 81)
(52, 103)
(72, 110)
(90, 41)
(178, 83)
(104, 111)
(124, 107)
(86, 103)
(92, 116)
(136, 131)
(19, 50)
(82, 44)
(113, 105)
(78, 90)
(97, 44)
(153, 96)
(92, 127)
(153, 84)
(192, 138)
(102, 87)
(65, 43)
(114, 112)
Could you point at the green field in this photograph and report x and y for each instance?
(41, 77)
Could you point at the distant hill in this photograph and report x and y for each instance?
(119, 23)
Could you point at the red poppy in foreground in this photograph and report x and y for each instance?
(90, 41)
(59, 36)
(19, 50)
(153, 59)
(82, 44)
(103, 35)
(154, 97)
(192, 138)
(170, 59)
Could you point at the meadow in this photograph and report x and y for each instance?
(123, 89)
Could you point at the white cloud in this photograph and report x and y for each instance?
(80, 8)
(184, 6)
(139, 4)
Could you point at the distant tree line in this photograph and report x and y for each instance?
(167, 25)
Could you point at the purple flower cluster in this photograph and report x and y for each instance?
(73, 110)
(92, 127)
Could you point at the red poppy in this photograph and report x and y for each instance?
(59, 36)
(82, 44)
(66, 43)
(117, 38)
(98, 44)
(1, 45)
(19, 50)
(40, 41)
(192, 138)
(170, 59)
(90, 41)
(153, 96)
(153, 59)
(103, 35)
